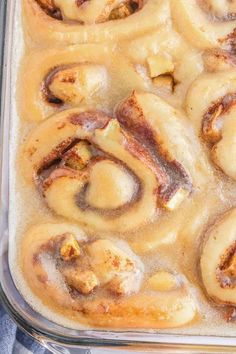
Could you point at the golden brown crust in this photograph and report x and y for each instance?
(212, 119)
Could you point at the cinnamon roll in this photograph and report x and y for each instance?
(210, 104)
(205, 23)
(83, 21)
(164, 130)
(82, 75)
(167, 60)
(218, 267)
(113, 173)
(101, 282)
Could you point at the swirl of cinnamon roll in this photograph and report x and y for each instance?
(205, 23)
(90, 11)
(218, 260)
(113, 174)
(172, 138)
(58, 79)
(100, 282)
(218, 59)
(91, 21)
(211, 105)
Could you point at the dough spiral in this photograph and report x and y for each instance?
(205, 23)
(218, 261)
(100, 282)
(82, 75)
(64, 22)
(214, 116)
(114, 174)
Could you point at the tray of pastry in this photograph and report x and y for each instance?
(118, 218)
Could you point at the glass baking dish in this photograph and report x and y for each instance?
(55, 337)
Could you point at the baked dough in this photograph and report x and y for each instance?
(129, 169)
(211, 105)
(111, 271)
(205, 23)
(218, 260)
(83, 75)
(44, 29)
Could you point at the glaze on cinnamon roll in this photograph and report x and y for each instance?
(116, 174)
(218, 260)
(90, 11)
(72, 22)
(165, 132)
(211, 103)
(167, 60)
(135, 115)
(205, 23)
(107, 173)
(87, 76)
(100, 282)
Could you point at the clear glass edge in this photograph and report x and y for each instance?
(11, 298)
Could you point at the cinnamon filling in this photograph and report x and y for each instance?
(170, 173)
(50, 9)
(229, 44)
(86, 266)
(206, 6)
(125, 9)
(75, 158)
(226, 272)
(217, 59)
(230, 314)
(88, 120)
(48, 95)
(71, 262)
(80, 2)
(213, 118)
(72, 84)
